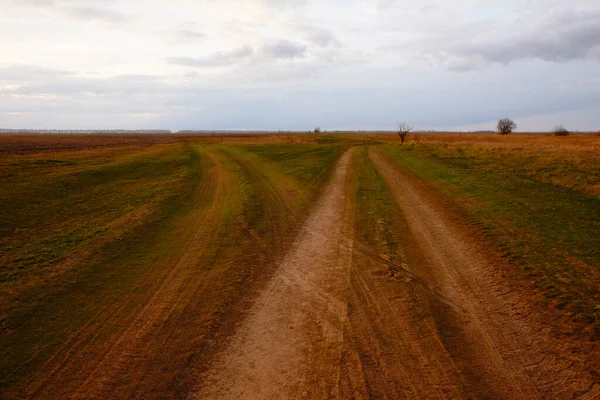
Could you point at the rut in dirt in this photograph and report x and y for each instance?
(330, 324)
(477, 336)
(88, 365)
(290, 346)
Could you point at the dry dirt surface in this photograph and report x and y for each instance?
(330, 324)
(291, 344)
(490, 342)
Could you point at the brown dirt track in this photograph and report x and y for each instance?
(489, 336)
(330, 325)
(145, 342)
(325, 319)
(290, 346)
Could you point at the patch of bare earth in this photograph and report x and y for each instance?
(291, 344)
(461, 329)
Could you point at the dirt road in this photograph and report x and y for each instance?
(491, 342)
(331, 324)
(229, 311)
(291, 345)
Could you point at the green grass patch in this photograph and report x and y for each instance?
(68, 204)
(288, 179)
(378, 223)
(551, 230)
(308, 164)
(41, 319)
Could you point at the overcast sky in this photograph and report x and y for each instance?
(298, 64)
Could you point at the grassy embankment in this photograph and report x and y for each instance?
(539, 205)
(85, 230)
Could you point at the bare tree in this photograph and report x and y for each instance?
(317, 129)
(506, 126)
(560, 130)
(403, 130)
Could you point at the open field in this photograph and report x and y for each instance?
(300, 266)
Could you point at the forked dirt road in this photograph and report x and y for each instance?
(330, 324)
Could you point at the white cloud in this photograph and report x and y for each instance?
(218, 59)
(283, 49)
(267, 63)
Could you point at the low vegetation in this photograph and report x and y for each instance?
(88, 234)
(539, 205)
(55, 204)
(560, 130)
(161, 243)
(379, 226)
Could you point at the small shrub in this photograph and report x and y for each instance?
(560, 130)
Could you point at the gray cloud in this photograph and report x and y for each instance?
(279, 49)
(196, 104)
(284, 49)
(218, 59)
(29, 73)
(84, 10)
(26, 81)
(188, 35)
(98, 14)
(180, 36)
(321, 37)
(558, 36)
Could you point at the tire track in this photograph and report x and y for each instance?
(280, 194)
(88, 365)
(290, 345)
(501, 346)
(392, 348)
(259, 244)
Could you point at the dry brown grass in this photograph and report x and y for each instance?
(586, 141)
(571, 162)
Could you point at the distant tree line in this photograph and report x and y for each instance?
(505, 126)
(86, 131)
